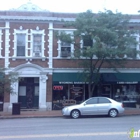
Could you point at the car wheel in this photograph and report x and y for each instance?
(75, 114)
(113, 113)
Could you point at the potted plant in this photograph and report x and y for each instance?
(138, 102)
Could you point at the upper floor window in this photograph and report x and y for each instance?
(20, 44)
(87, 41)
(28, 44)
(65, 49)
(37, 45)
(134, 48)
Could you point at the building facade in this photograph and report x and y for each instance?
(28, 46)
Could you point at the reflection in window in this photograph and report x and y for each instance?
(20, 44)
(92, 101)
(65, 49)
(103, 100)
(37, 41)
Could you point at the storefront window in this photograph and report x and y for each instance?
(127, 92)
(76, 93)
(66, 94)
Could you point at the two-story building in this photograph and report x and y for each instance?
(28, 46)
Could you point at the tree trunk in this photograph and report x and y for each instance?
(91, 88)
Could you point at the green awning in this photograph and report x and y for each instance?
(80, 78)
(121, 77)
(69, 78)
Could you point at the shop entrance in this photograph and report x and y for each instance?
(29, 92)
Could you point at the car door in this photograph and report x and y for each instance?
(89, 107)
(103, 105)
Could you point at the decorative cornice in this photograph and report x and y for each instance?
(29, 6)
(35, 18)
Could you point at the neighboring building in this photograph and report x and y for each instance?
(28, 46)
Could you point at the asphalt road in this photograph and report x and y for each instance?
(87, 128)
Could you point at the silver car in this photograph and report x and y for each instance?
(94, 106)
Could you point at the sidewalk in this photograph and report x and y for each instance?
(54, 113)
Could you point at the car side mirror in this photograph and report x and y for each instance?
(84, 104)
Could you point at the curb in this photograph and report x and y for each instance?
(27, 117)
(24, 117)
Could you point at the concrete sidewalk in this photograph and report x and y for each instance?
(53, 113)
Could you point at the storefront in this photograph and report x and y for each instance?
(68, 89)
(125, 87)
(71, 87)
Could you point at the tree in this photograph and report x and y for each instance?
(107, 39)
(6, 82)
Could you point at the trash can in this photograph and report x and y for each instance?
(1, 106)
(16, 109)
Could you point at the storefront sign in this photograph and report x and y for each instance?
(127, 82)
(73, 82)
(57, 87)
(76, 90)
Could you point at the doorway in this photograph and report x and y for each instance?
(29, 92)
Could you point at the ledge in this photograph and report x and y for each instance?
(29, 58)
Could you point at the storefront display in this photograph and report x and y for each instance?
(67, 95)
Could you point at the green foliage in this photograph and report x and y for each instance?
(63, 36)
(108, 39)
(6, 81)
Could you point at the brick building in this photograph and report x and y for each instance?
(28, 46)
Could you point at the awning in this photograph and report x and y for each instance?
(127, 78)
(80, 78)
(69, 78)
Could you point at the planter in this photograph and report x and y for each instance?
(16, 109)
(138, 106)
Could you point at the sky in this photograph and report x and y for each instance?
(76, 6)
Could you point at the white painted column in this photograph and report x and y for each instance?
(6, 65)
(50, 46)
(59, 48)
(42, 92)
(14, 97)
(7, 34)
(1, 42)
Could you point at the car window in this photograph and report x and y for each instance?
(103, 100)
(92, 101)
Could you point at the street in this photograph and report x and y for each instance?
(86, 128)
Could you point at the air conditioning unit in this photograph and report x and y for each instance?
(37, 54)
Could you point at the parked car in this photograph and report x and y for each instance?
(94, 106)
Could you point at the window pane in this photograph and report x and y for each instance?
(20, 44)
(65, 51)
(103, 100)
(65, 44)
(87, 41)
(92, 101)
(37, 41)
(132, 53)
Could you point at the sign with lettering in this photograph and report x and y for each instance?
(57, 87)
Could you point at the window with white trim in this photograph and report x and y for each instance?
(134, 48)
(65, 49)
(20, 44)
(37, 43)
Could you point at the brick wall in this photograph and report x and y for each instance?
(49, 89)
